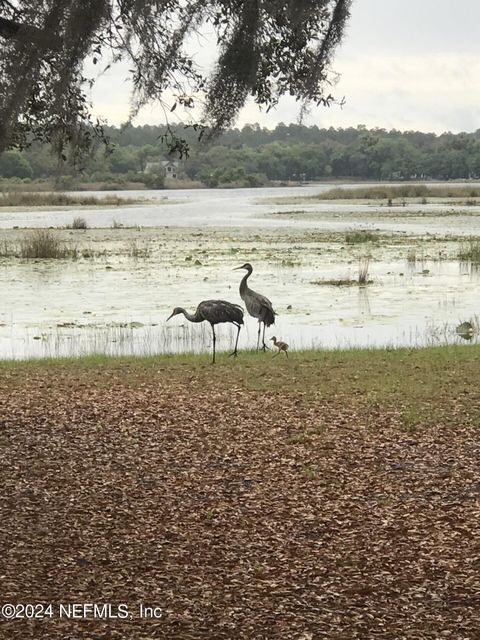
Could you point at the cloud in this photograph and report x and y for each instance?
(434, 92)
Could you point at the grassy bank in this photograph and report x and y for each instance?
(332, 492)
(426, 380)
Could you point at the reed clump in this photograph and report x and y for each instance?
(470, 251)
(362, 280)
(363, 266)
(44, 244)
(79, 223)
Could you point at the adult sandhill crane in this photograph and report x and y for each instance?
(215, 312)
(257, 305)
(281, 346)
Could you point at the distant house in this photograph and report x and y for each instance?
(170, 167)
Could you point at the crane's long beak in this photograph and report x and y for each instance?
(170, 316)
(235, 269)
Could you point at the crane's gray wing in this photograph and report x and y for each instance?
(260, 307)
(216, 311)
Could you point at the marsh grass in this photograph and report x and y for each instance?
(391, 192)
(337, 282)
(392, 195)
(127, 339)
(381, 192)
(412, 256)
(359, 236)
(361, 281)
(34, 199)
(7, 249)
(120, 225)
(138, 250)
(293, 212)
(469, 252)
(78, 223)
(44, 243)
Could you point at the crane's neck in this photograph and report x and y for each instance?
(243, 283)
(189, 316)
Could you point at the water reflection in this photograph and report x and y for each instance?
(364, 302)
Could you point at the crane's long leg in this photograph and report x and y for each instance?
(264, 347)
(235, 352)
(258, 336)
(276, 353)
(214, 340)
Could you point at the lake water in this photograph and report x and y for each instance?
(118, 304)
(248, 207)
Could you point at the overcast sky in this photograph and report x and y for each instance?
(404, 64)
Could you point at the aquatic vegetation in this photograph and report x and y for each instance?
(293, 212)
(137, 250)
(71, 339)
(359, 236)
(361, 280)
(44, 243)
(79, 223)
(35, 199)
(7, 249)
(363, 266)
(411, 256)
(390, 192)
(380, 192)
(337, 282)
(470, 251)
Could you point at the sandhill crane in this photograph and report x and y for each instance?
(257, 305)
(281, 346)
(215, 312)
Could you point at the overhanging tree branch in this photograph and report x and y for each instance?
(266, 49)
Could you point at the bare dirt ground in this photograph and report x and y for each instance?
(301, 500)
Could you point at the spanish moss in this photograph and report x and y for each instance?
(264, 50)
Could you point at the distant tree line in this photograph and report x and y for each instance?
(255, 156)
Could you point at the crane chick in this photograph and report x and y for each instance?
(281, 346)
